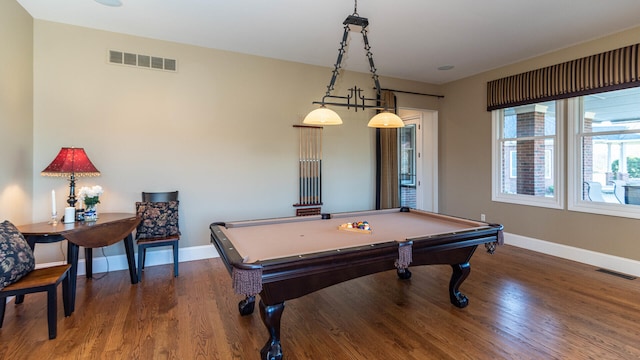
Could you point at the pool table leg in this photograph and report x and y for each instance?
(271, 315)
(460, 272)
(247, 305)
(403, 273)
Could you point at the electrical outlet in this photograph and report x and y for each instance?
(482, 217)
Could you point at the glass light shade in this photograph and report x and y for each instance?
(386, 119)
(114, 3)
(322, 116)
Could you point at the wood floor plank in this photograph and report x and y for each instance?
(522, 305)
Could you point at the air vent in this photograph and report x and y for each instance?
(143, 61)
(170, 64)
(157, 63)
(130, 59)
(615, 273)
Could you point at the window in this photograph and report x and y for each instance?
(513, 164)
(548, 163)
(603, 153)
(598, 103)
(407, 136)
(604, 163)
(527, 155)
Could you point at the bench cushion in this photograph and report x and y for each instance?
(16, 257)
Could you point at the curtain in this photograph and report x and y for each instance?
(607, 71)
(388, 187)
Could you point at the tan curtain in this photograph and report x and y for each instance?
(389, 187)
(607, 71)
(387, 159)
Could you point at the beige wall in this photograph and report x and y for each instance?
(219, 130)
(465, 149)
(16, 112)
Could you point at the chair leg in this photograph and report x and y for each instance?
(175, 259)
(52, 310)
(3, 305)
(141, 251)
(144, 256)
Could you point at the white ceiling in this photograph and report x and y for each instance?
(409, 39)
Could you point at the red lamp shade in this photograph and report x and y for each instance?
(71, 161)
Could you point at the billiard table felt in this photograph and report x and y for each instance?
(261, 240)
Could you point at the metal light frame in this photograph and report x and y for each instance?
(355, 99)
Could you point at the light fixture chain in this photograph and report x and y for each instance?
(356, 98)
(338, 64)
(372, 66)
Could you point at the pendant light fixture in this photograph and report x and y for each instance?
(355, 99)
(322, 116)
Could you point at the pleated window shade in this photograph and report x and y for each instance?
(607, 71)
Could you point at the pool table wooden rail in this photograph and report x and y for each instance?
(295, 276)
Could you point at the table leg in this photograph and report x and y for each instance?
(460, 272)
(271, 316)
(88, 262)
(128, 247)
(72, 258)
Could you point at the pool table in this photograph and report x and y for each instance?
(285, 258)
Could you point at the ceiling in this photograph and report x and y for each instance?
(409, 39)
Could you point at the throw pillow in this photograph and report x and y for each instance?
(159, 219)
(16, 257)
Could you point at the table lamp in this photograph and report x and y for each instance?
(71, 162)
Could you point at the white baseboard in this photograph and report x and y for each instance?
(165, 256)
(154, 257)
(605, 261)
(119, 262)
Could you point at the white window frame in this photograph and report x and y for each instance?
(575, 202)
(548, 169)
(555, 202)
(513, 164)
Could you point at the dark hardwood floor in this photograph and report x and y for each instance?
(523, 305)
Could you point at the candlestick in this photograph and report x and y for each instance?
(53, 202)
(54, 213)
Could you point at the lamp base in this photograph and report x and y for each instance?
(72, 190)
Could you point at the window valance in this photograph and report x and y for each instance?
(607, 71)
